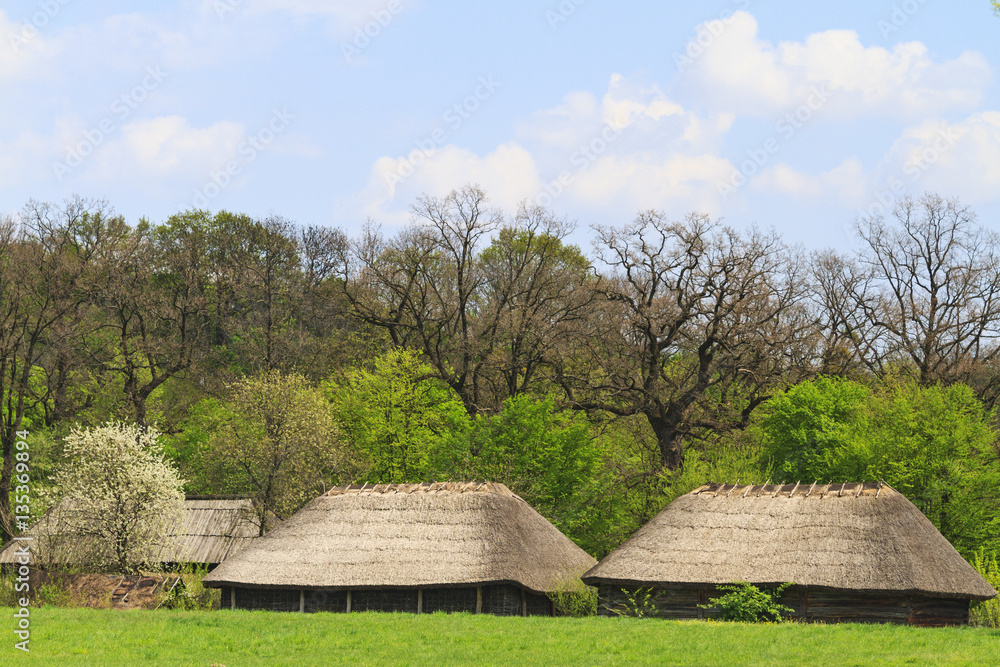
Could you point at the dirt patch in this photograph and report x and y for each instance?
(101, 591)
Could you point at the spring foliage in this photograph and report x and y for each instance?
(933, 444)
(119, 495)
(277, 442)
(745, 603)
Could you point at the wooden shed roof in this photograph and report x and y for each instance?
(214, 527)
(850, 536)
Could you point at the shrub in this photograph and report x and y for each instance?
(574, 598)
(189, 593)
(986, 614)
(745, 603)
(638, 603)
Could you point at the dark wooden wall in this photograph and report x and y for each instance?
(498, 599)
(808, 604)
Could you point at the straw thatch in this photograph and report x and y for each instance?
(864, 538)
(214, 527)
(408, 536)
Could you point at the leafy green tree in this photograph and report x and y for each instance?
(403, 425)
(548, 457)
(278, 442)
(933, 444)
(119, 495)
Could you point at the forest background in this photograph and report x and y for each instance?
(477, 344)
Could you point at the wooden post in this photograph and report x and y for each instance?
(232, 597)
(420, 600)
(302, 601)
(348, 602)
(524, 603)
(479, 599)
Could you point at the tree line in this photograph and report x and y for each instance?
(260, 347)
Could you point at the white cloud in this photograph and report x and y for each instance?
(27, 51)
(739, 72)
(508, 174)
(348, 14)
(678, 181)
(960, 158)
(846, 182)
(634, 148)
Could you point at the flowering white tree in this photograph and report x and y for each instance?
(119, 495)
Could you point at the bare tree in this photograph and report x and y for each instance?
(152, 295)
(537, 292)
(44, 258)
(924, 291)
(699, 325)
(483, 318)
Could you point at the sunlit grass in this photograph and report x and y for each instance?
(84, 636)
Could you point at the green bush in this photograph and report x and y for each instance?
(638, 603)
(189, 593)
(745, 603)
(986, 614)
(574, 598)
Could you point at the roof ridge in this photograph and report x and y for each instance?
(789, 490)
(422, 487)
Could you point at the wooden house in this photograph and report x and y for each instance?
(420, 548)
(854, 552)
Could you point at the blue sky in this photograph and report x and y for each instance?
(329, 112)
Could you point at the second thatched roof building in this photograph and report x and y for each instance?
(855, 552)
(474, 547)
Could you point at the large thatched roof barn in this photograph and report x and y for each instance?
(214, 527)
(855, 552)
(474, 547)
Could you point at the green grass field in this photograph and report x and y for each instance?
(107, 637)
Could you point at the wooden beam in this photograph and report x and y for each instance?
(348, 602)
(420, 600)
(302, 600)
(479, 599)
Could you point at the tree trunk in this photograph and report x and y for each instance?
(9, 436)
(668, 438)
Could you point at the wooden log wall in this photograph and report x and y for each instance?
(807, 604)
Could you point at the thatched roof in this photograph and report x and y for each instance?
(214, 527)
(857, 537)
(408, 536)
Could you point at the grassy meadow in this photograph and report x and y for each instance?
(102, 637)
